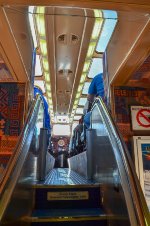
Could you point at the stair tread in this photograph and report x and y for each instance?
(65, 176)
(68, 212)
(70, 215)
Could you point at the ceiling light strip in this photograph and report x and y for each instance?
(93, 42)
(41, 33)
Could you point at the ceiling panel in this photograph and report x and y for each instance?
(68, 33)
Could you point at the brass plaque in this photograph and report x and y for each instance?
(68, 195)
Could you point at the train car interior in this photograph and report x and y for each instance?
(54, 169)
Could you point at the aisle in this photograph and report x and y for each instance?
(65, 176)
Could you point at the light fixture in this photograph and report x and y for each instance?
(45, 64)
(43, 46)
(91, 49)
(40, 20)
(47, 77)
(93, 41)
(41, 36)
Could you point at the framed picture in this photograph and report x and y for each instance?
(142, 163)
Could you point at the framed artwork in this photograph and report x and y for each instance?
(142, 163)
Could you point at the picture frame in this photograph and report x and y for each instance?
(142, 163)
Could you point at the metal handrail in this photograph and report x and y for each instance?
(136, 193)
(15, 164)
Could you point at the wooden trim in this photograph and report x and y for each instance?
(125, 5)
(10, 49)
(135, 59)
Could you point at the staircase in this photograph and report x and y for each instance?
(74, 203)
(67, 199)
(69, 205)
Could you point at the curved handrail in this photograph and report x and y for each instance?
(14, 167)
(140, 206)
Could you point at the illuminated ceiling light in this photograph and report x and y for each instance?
(48, 89)
(43, 46)
(40, 20)
(47, 77)
(97, 13)
(76, 102)
(41, 36)
(97, 27)
(78, 95)
(83, 77)
(79, 88)
(45, 64)
(50, 101)
(49, 95)
(40, 10)
(91, 49)
(74, 107)
(86, 66)
(31, 21)
(92, 45)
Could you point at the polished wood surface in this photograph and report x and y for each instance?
(125, 5)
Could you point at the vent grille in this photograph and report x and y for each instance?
(67, 91)
(74, 39)
(62, 39)
(65, 72)
(65, 39)
(59, 91)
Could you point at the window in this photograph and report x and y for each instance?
(96, 67)
(82, 101)
(85, 88)
(40, 84)
(107, 30)
(79, 111)
(77, 117)
(61, 130)
(38, 70)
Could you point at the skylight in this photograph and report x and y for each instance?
(79, 111)
(77, 117)
(108, 28)
(96, 67)
(85, 88)
(109, 14)
(31, 10)
(82, 101)
(61, 130)
(38, 70)
(40, 84)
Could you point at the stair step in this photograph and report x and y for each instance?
(88, 212)
(85, 217)
(64, 176)
(66, 222)
(67, 215)
(67, 197)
